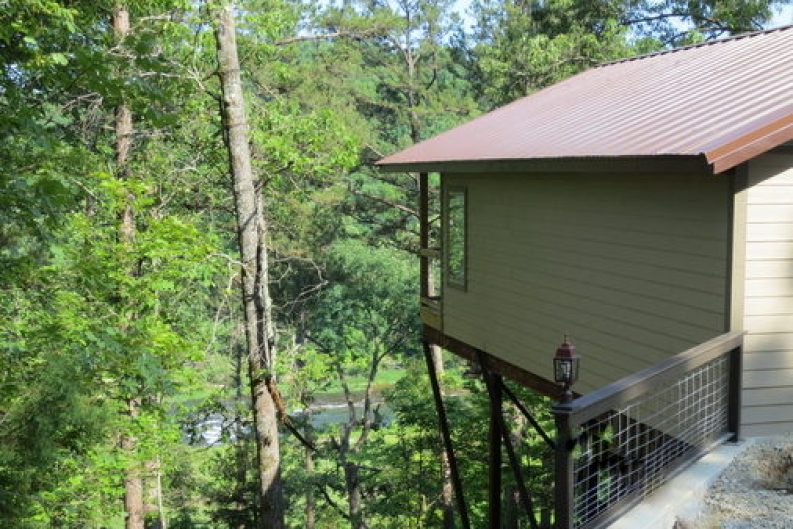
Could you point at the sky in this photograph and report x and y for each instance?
(783, 17)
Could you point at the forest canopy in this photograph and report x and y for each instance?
(209, 295)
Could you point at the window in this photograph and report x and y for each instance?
(456, 241)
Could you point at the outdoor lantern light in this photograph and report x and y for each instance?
(565, 368)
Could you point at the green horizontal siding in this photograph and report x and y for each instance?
(632, 267)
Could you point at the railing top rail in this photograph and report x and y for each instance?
(626, 389)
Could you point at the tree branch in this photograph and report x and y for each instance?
(386, 202)
(324, 491)
(353, 35)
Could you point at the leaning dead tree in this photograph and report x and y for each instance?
(252, 232)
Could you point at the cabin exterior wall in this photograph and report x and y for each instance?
(633, 267)
(768, 296)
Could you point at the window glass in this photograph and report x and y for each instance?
(455, 239)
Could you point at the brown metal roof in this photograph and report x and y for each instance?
(726, 101)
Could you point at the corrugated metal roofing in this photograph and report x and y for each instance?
(727, 100)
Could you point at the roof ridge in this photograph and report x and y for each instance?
(739, 36)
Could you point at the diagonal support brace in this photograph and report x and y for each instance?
(518, 404)
(447, 438)
(514, 462)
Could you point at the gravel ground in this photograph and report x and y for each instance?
(754, 492)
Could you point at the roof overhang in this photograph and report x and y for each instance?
(723, 156)
(755, 141)
(658, 164)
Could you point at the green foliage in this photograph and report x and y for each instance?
(522, 46)
(365, 313)
(525, 45)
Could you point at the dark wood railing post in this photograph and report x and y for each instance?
(736, 383)
(563, 472)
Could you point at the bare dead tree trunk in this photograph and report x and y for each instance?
(251, 229)
(241, 456)
(133, 481)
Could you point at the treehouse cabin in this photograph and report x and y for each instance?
(644, 208)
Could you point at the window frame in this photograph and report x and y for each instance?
(448, 191)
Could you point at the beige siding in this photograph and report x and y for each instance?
(768, 305)
(632, 267)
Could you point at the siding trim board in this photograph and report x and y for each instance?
(737, 256)
(767, 304)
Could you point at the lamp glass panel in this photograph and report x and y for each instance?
(564, 369)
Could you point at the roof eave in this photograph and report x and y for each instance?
(654, 164)
(751, 145)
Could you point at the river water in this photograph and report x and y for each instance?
(323, 415)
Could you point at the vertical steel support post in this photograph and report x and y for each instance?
(493, 382)
(447, 438)
(735, 388)
(564, 484)
(424, 234)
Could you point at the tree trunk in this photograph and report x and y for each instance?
(311, 508)
(124, 132)
(308, 429)
(354, 496)
(133, 481)
(514, 510)
(349, 449)
(511, 508)
(160, 506)
(241, 455)
(251, 228)
(153, 508)
(150, 494)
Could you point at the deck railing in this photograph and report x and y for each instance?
(618, 444)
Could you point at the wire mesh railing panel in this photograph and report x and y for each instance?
(629, 452)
